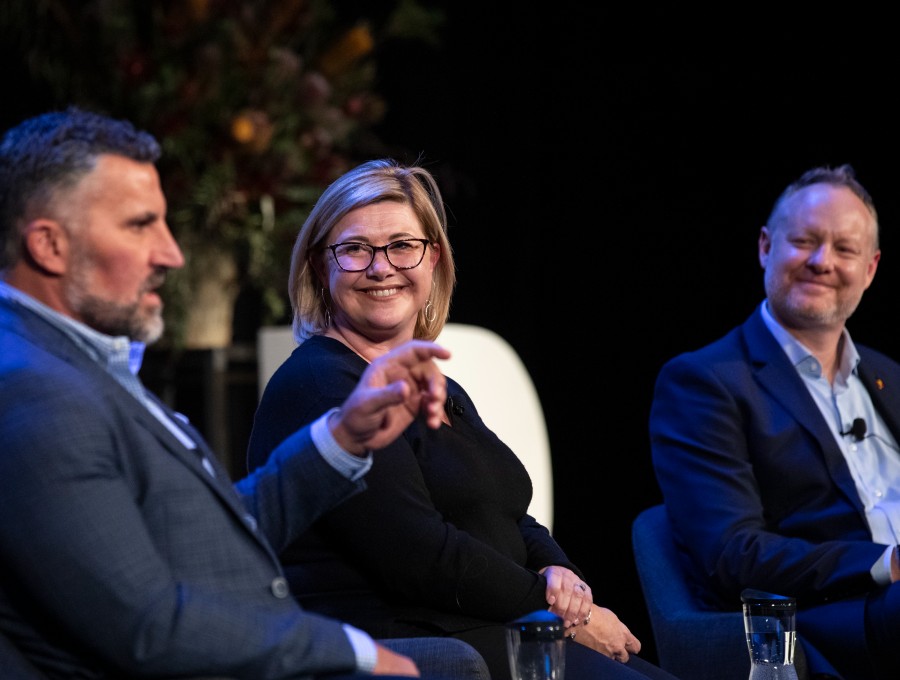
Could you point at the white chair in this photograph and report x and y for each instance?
(493, 374)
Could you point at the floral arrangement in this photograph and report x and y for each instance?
(258, 104)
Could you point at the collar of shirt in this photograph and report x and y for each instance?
(118, 356)
(872, 460)
(803, 358)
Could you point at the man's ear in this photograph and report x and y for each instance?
(764, 246)
(47, 245)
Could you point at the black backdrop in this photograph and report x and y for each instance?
(607, 171)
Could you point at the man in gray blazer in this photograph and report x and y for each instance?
(125, 550)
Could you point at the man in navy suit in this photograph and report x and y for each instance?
(776, 447)
(125, 550)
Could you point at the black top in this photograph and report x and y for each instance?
(441, 536)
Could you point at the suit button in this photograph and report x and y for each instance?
(280, 587)
(251, 521)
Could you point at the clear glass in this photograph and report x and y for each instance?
(771, 635)
(352, 256)
(536, 647)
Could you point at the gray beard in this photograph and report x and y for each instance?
(111, 318)
(115, 320)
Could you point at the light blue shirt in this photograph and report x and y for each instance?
(122, 359)
(874, 462)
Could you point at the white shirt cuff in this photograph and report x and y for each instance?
(350, 466)
(363, 647)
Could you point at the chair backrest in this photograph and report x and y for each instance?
(691, 642)
(493, 374)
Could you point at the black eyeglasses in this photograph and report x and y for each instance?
(352, 256)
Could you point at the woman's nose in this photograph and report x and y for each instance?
(380, 261)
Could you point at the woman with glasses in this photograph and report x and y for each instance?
(440, 542)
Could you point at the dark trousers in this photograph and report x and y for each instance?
(438, 658)
(860, 636)
(582, 663)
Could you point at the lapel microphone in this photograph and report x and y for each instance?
(858, 429)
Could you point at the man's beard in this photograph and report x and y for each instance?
(112, 318)
(115, 319)
(805, 315)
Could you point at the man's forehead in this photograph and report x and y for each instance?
(825, 201)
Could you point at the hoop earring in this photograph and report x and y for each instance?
(325, 306)
(428, 312)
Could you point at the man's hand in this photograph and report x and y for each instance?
(395, 388)
(391, 663)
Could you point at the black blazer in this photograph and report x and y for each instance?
(440, 539)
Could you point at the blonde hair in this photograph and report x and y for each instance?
(372, 182)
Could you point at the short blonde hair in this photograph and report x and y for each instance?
(372, 182)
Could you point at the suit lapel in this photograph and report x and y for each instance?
(779, 378)
(43, 334)
(192, 458)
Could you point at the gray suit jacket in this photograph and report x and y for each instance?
(121, 555)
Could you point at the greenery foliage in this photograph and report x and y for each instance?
(259, 104)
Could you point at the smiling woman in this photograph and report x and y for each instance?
(371, 297)
(372, 267)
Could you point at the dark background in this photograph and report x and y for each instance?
(607, 172)
(616, 167)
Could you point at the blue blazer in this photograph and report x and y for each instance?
(121, 554)
(756, 487)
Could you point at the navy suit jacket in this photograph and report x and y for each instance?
(755, 484)
(120, 554)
